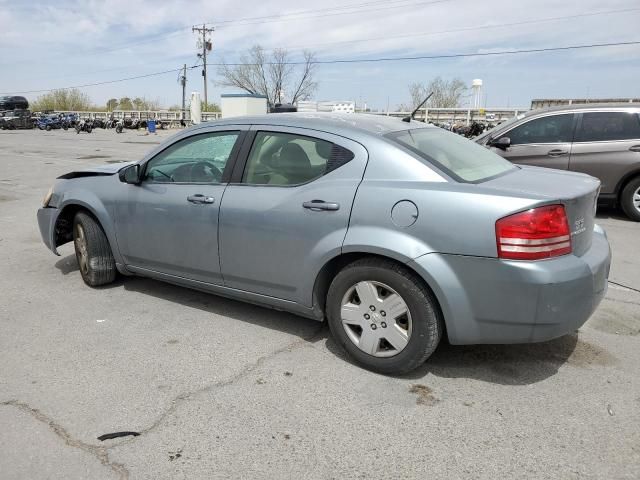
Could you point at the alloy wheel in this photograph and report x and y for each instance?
(376, 319)
(636, 199)
(81, 248)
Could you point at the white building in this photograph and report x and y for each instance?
(326, 106)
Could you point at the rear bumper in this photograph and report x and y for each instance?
(487, 300)
(46, 222)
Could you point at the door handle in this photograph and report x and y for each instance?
(635, 148)
(556, 152)
(318, 205)
(200, 199)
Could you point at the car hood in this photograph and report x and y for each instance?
(107, 169)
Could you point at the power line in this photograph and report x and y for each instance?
(99, 83)
(451, 55)
(337, 10)
(358, 60)
(464, 29)
(388, 5)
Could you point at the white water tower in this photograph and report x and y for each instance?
(476, 89)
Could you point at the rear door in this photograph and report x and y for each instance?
(541, 141)
(606, 145)
(287, 211)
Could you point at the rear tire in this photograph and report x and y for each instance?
(630, 199)
(423, 320)
(93, 253)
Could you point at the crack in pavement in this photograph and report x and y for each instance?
(175, 403)
(99, 452)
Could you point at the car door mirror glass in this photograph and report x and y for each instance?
(502, 143)
(130, 174)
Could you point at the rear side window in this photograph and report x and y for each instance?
(550, 129)
(461, 159)
(603, 126)
(287, 159)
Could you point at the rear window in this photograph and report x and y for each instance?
(603, 126)
(461, 159)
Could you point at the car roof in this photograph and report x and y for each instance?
(584, 106)
(338, 123)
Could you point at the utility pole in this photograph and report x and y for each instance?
(183, 82)
(206, 47)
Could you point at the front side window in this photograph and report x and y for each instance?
(603, 126)
(460, 158)
(198, 159)
(550, 129)
(287, 159)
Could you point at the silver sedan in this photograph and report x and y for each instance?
(397, 233)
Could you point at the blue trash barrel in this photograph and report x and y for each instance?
(151, 126)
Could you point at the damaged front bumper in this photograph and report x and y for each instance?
(47, 218)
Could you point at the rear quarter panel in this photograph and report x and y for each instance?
(452, 217)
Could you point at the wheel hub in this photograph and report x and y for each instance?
(376, 319)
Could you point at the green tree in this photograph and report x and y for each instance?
(210, 107)
(125, 104)
(62, 99)
(112, 104)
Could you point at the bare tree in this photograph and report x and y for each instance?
(446, 93)
(273, 76)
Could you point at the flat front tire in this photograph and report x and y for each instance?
(95, 259)
(384, 316)
(630, 199)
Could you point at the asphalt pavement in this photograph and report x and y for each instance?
(220, 389)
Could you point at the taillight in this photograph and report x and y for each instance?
(537, 233)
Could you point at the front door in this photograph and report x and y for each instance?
(169, 223)
(543, 142)
(288, 211)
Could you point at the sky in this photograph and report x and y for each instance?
(47, 44)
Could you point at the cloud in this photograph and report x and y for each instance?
(92, 40)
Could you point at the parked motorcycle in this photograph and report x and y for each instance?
(84, 126)
(48, 123)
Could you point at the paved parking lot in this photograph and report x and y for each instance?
(221, 389)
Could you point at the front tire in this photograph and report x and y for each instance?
(630, 199)
(384, 316)
(95, 259)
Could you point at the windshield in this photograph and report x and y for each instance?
(461, 159)
(498, 127)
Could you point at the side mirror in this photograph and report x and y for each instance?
(502, 143)
(130, 174)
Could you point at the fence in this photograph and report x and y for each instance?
(460, 115)
(170, 117)
(434, 115)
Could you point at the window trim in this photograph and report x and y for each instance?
(538, 117)
(247, 147)
(579, 126)
(226, 173)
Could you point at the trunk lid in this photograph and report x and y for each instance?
(576, 191)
